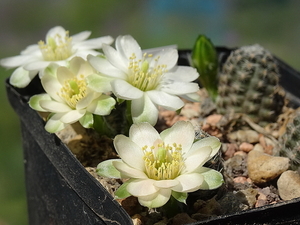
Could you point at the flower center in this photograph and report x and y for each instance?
(56, 48)
(142, 76)
(164, 163)
(73, 90)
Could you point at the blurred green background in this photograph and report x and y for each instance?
(272, 23)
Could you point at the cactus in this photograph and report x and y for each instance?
(289, 142)
(248, 84)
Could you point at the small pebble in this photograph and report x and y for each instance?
(249, 196)
(246, 147)
(241, 180)
(258, 147)
(249, 136)
(241, 153)
(213, 119)
(289, 185)
(263, 168)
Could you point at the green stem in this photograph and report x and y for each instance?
(102, 127)
(172, 207)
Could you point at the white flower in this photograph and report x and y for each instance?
(161, 165)
(58, 48)
(68, 96)
(148, 80)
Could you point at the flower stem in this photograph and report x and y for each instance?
(172, 207)
(102, 126)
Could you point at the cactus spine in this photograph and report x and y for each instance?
(290, 142)
(248, 84)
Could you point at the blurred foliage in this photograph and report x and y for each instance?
(272, 23)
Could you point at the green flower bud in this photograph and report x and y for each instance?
(205, 60)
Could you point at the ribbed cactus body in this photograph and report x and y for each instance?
(290, 142)
(248, 84)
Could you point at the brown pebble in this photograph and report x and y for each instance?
(249, 180)
(213, 119)
(136, 219)
(229, 150)
(289, 185)
(263, 168)
(260, 202)
(241, 180)
(241, 153)
(246, 147)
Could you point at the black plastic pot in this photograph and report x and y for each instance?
(61, 191)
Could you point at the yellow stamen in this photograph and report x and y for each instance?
(56, 48)
(142, 76)
(73, 90)
(163, 162)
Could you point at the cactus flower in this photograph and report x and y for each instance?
(68, 97)
(146, 80)
(59, 47)
(158, 166)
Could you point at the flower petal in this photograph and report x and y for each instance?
(212, 142)
(34, 101)
(32, 50)
(102, 105)
(166, 183)
(15, 61)
(21, 78)
(182, 73)
(181, 132)
(212, 178)
(72, 116)
(197, 159)
(63, 74)
(52, 86)
(180, 88)
(193, 97)
(168, 57)
(144, 134)
(78, 66)
(126, 149)
(143, 110)
(156, 200)
(54, 124)
(180, 196)
(107, 169)
(167, 101)
(115, 59)
(126, 45)
(188, 182)
(87, 121)
(141, 187)
(122, 191)
(94, 43)
(127, 171)
(57, 30)
(103, 66)
(99, 83)
(53, 106)
(79, 37)
(126, 91)
(37, 65)
(86, 101)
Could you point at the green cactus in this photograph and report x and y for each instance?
(289, 142)
(248, 84)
